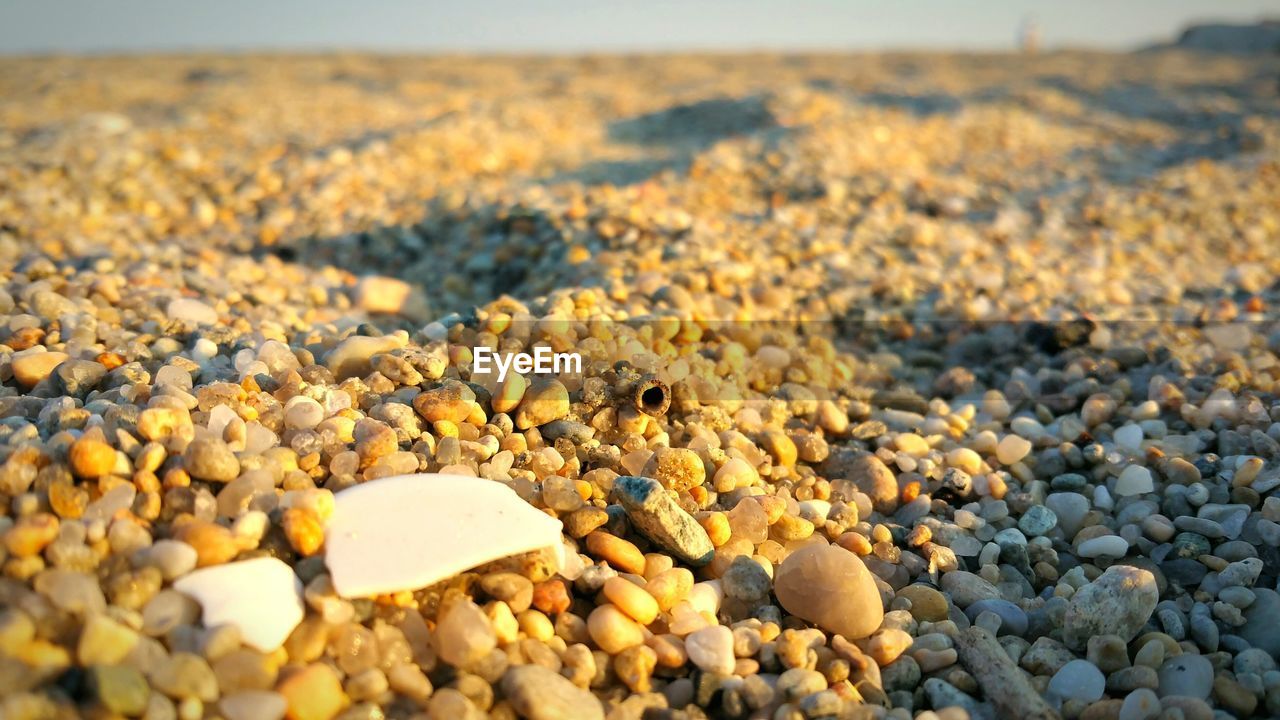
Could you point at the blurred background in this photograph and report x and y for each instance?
(572, 26)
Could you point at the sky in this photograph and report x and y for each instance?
(574, 26)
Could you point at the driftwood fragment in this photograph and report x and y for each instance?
(1003, 683)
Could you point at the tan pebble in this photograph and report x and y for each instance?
(510, 393)
(885, 646)
(774, 507)
(670, 650)
(90, 458)
(381, 294)
(30, 367)
(670, 587)
(631, 599)
(634, 667)
(656, 563)
(790, 527)
(620, 554)
(781, 447)
(159, 423)
(544, 401)
(303, 530)
(313, 693)
(505, 626)
(612, 630)
(717, 527)
(536, 625)
(31, 534)
(214, 544)
(451, 402)
(854, 542)
(678, 469)
(930, 660)
(965, 459)
(911, 444)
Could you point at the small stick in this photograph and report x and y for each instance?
(1001, 680)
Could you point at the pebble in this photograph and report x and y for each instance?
(1078, 680)
(91, 458)
(1187, 674)
(120, 689)
(541, 694)
(830, 587)
(210, 459)
(1112, 546)
(30, 367)
(464, 634)
(313, 693)
(1134, 480)
(711, 649)
(1119, 603)
(655, 515)
(253, 705)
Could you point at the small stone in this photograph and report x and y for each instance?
(1112, 546)
(31, 366)
(464, 634)
(210, 459)
(104, 641)
(711, 649)
(90, 458)
(871, 476)
(538, 693)
(192, 311)
(352, 357)
(1037, 521)
(31, 534)
(186, 675)
(172, 558)
(830, 587)
(631, 599)
(1013, 620)
(213, 543)
(620, 554)
(656, 516)
(1119, 602)
(745, 580)
(544, 401)
(450, 402)
(612, 630)
(313, 693)
(1186, 674)
(1012, 449)
(1078, 680)
(1070, 509)
(1141, 704)
(927, 603)
(1134, 480)
(253, 705)
(120, 689)
(381, 294)
(967, 588)
(74, 592)
(678, 469)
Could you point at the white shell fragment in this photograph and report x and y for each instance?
(411, 531)
(261, 596)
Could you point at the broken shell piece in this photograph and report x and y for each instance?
(262, 597)
(410, 531)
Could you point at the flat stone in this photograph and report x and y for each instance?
(1119, 602)
(411, 531)
(262, 597)
(656, 515)
(351, 357)
(191, 310)
(538, 693)
(830, 587)
(1112, 546)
